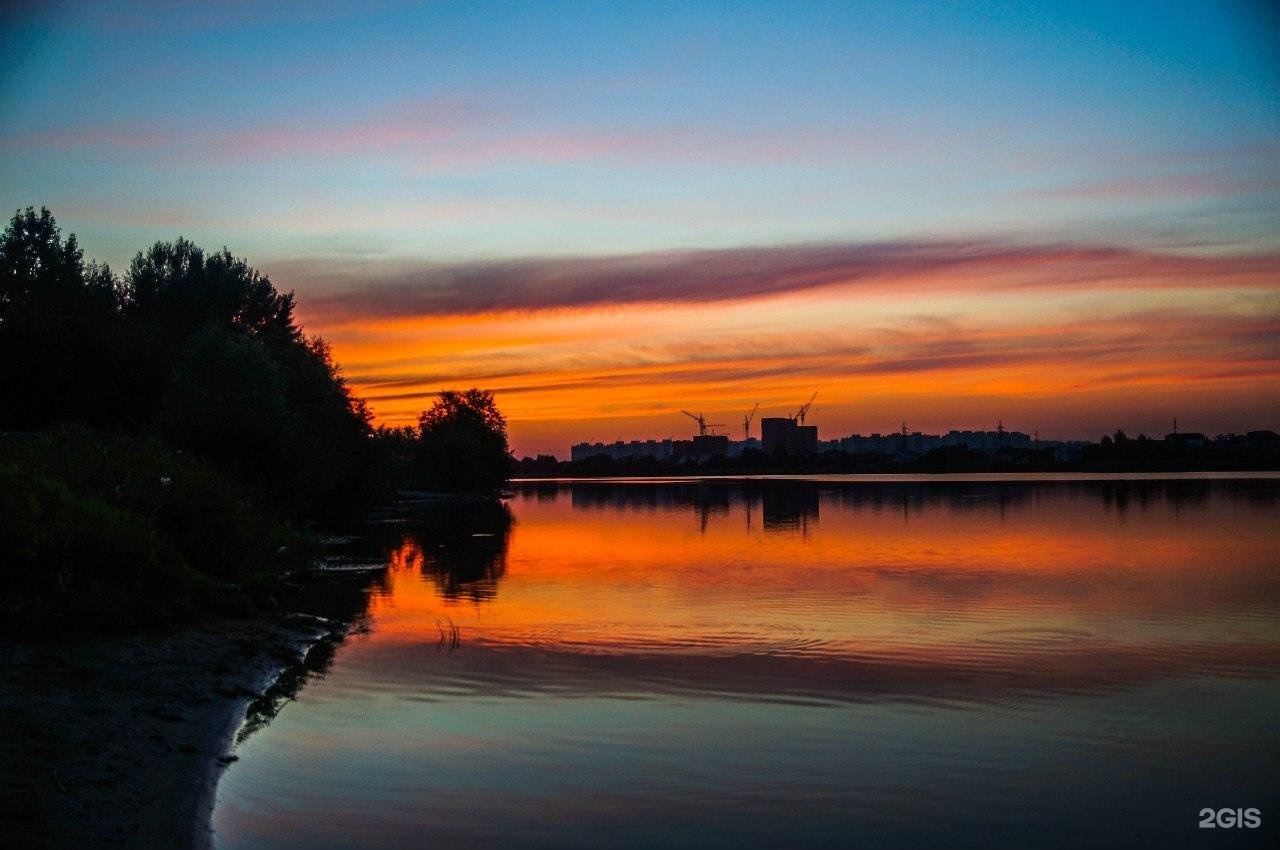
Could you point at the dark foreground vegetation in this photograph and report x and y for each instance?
(169, 437)
(113, 529)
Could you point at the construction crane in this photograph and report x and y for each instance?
(746, 422)
(704, 428)
(700, 419)
(803, 411)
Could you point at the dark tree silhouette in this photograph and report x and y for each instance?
(203, 351)
(218, 428)
(173, 290)
(198, 348)
(463, 444)
(333, 450)
(176, 286)
(226, 401)
(58, 327)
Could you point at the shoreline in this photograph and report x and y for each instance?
(238, 712)
(1007, 477)
(120, 740)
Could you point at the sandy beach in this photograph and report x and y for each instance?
(118, 741)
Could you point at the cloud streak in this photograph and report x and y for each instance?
(634, 380)
(709, 276)
(447, 134)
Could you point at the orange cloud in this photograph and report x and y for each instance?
(603, 372)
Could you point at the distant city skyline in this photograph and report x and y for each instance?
(1066, 216)
(1175, 425)
(870, 440)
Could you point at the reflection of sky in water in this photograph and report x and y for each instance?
(783, 663)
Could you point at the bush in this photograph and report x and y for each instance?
(114, 532)
(463, 445)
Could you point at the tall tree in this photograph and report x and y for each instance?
(463, 444)
(226, 401)
(176, 285)
(58, 327)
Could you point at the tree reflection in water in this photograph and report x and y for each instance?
(460, 546)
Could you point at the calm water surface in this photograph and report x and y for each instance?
(787, 663)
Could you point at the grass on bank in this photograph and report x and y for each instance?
(115, 532)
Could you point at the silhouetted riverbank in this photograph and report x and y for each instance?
(171, 439)
(118, 739)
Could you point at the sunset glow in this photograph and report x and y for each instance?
(640, 425)
(942, 349)
(1062, 217)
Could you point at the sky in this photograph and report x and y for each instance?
(1065, 217)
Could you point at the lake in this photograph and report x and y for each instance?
(780, 663)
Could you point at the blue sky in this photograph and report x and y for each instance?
(373, 155)
(471, 130)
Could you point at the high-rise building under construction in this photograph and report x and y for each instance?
(783, 432)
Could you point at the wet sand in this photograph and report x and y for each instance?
(118, 741)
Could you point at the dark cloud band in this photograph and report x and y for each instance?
(696, 277)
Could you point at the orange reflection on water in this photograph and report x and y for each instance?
(631, 654)
(832, 571)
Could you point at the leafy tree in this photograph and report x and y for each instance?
(463, 444)
(241, 382)
(172, 291)
(58, 328)
(178, 287)
(39, 270)
(277, 411)
(336, 460)
(226, 402)
(203, 351)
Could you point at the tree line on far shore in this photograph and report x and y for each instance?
(190, 367)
